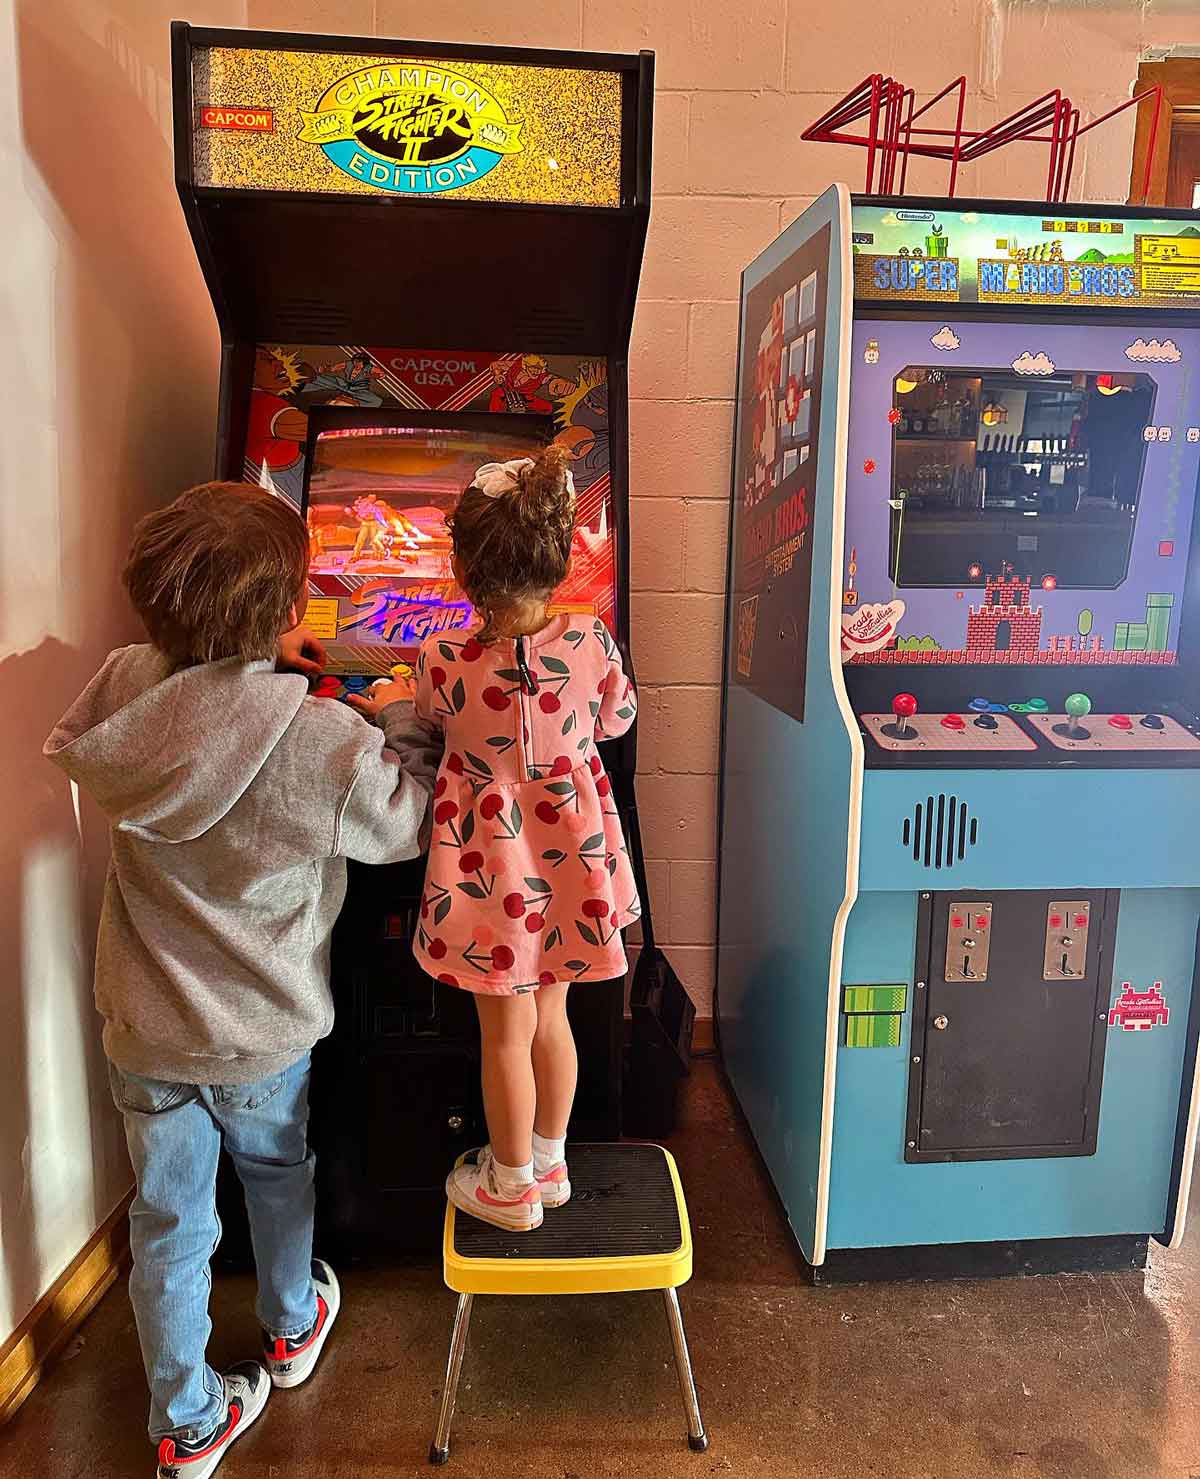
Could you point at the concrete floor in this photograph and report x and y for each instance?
(1083, 1378)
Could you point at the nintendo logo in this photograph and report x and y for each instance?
(241, 120)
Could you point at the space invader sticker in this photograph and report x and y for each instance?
(1139, 1011)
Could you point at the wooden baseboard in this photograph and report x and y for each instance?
(703, 1038)
(42, 1334)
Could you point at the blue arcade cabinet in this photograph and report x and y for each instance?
(960, 782)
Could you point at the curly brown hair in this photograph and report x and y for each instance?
(519, 544)
(216, 573)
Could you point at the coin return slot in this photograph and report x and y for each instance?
(968, 941)
(1068, 922)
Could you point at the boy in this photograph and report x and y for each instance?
(234, 799)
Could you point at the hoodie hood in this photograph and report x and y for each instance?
(159, 749)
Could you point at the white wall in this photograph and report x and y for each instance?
(107, 394)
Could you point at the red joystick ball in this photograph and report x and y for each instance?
(904, 706)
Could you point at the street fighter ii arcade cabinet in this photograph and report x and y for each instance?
(421, 257)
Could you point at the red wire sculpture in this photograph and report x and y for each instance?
(894, 133)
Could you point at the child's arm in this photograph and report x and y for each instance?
(405, 686)
(384, 816)
(413, 738)
(618, 698)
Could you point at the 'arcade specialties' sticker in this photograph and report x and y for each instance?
(870, 627)
(411, 128)
(1139, 1011)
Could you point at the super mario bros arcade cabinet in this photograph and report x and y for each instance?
(960, 824)
(422, 257)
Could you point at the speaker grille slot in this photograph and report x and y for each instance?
(550, 326)
(310, 321)
(939, 831)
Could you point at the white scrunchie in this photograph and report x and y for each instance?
(495, 479)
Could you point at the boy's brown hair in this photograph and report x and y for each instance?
(519, 544)
(216, 573)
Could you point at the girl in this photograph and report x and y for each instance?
(528, 884)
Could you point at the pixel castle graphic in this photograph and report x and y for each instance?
(1005, 622)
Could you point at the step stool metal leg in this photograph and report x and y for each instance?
(697, 1437)
(440, 1450)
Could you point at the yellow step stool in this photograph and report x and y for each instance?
(625, 1228)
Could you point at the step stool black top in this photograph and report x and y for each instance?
(623, 1205)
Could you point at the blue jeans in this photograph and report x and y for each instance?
(175, 1132)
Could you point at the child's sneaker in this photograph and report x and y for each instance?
(555, 1185)
(473, 1189)
(247, 1388)
(291, 1362)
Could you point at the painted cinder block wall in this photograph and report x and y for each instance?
(736, 85)
(114, 367)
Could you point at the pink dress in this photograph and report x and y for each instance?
(528, 880)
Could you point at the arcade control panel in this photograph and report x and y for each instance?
(344, 686)
(1028, 733)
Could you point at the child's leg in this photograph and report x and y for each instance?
(498, 1186)
(555, 1070)
(555, 1065)
(506, 1026)
(173, 1228)
(266, 1128)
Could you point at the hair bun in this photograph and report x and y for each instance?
(545, 493)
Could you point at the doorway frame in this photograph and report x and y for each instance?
(1179, 78)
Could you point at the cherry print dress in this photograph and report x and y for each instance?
(528, 880)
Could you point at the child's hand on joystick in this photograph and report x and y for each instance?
(399, 688)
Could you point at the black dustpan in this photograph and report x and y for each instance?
(663, 1019)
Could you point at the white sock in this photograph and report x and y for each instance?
(512, 1181)
(547, 1153)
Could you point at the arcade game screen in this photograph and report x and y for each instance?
(991, 470)
(378, 492)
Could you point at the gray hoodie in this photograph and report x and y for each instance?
(234, 799)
